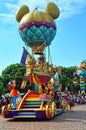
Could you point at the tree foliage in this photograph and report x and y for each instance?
(66, 77)
(2, 88)
(14, 71)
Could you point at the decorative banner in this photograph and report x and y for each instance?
(24, 56)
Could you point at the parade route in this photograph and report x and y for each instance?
(66, 121)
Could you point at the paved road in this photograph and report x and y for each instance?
(67, 121)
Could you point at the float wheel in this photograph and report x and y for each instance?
(4, 111)
(53, 109)
(41, 106)
(9, 106)
(48, 111)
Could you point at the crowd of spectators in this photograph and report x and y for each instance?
(68, 100)
(4, 101)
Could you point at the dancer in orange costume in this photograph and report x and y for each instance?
(13, 93)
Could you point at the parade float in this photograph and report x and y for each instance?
(80, 77)
(37, 29)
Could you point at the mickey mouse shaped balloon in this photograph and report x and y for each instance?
(37, 28)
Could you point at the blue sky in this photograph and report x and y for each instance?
(69, 45)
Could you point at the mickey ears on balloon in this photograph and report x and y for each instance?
(52, 9)
(21, 12)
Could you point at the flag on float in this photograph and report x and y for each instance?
(24, 56)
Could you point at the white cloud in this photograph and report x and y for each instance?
(33, 3)
(67, 7)
(7, 15)
(71, 7)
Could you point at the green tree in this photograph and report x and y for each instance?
(2, 88)
(14, 71)
(66, 77)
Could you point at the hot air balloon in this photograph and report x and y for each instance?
(37, 29)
